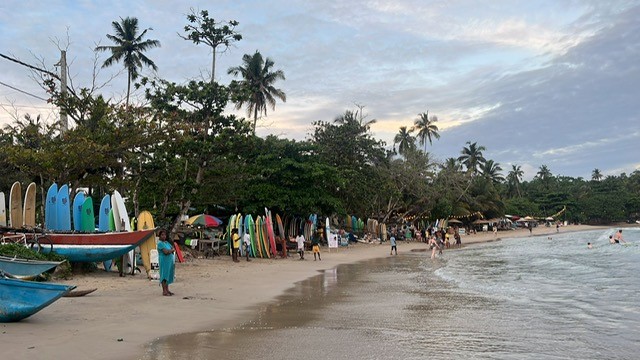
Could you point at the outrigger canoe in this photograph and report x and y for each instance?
(24, 268)
(93, 247)
(20, 299)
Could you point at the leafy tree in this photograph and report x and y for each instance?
(406, 142)
(427, 129)
(472, 157)
(257, 88)
(203, 29)
(129, 48)
(544, 176)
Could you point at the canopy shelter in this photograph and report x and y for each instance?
(204, 220)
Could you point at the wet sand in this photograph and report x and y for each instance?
(125, 315)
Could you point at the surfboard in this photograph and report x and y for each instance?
(3, 210)
(247, 231)
(271, 236)
(145, 222)
(78, 201)
(50, 218)
(63, 209)
(258, 236)
(15, 205)
(87, 218)
(240, 227)
(327, 229)
(122, 223)
(29, 208)
(103, 215)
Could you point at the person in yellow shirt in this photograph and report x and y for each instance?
(236, 244)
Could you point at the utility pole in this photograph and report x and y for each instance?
(64, 122)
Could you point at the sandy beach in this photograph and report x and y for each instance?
(125, 315)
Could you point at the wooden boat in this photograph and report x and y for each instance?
(24, 268)
(92, 247)
(20, 299)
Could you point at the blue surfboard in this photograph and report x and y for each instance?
(103, 217)
(63, 209)
(78, 201)
(50, 217)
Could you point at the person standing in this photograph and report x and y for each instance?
(315, 245)
(300, 240)
(247, 244)
(235, 240)
(166, 261)
(394, 246)
(618, 237)
(433, 245)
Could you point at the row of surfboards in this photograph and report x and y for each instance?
(59, 211)
(21, 214)
(263, 231)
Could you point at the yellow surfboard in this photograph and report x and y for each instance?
(29, 209)
(15, 206)
(145, 222)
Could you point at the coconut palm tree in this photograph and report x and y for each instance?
(545, 176)
(257, 85)
(406, 142)
(491, 170)
(472, 157)
(129, 47)
(427, 129)
(515, 177)
(596, 175)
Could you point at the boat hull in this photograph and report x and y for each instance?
(20, 299)
(23, 268)
(93, 247)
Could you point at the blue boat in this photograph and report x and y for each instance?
(20, 299)
(24, 268)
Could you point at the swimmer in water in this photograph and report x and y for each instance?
(618, 237)
(589, 246)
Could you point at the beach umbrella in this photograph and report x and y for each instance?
(204, 220)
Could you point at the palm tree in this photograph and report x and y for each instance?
(406, 142)
(515, 177)
(452, 165)
(544, 174)
(596, 175)
(491, 170)
(427, 128)
(129, 47)
(257, 85)
(472, 157)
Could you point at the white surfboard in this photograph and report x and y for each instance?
(15, 205)
(122, 223)
(29, 208)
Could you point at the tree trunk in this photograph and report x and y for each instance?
(186, 199)
(128, 89)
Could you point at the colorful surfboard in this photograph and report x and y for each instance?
(122, 223)
(15, 205)
(29, 208)
(63, 209)
(87, 218)
(50, 217)
(78, 201)
(103, 215)
(145, 222)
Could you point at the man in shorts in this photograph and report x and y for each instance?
(315, 243)
(393, 245)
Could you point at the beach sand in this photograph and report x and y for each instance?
(125, 315)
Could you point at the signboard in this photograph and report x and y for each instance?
(333, 241)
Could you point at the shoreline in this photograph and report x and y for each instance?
(126, 315)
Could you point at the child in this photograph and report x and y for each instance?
(315, 242)
(393, 245)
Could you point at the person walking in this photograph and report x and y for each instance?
(394, 246)
(166, 261)
(315, 244)
(300, 240)
(235, 240)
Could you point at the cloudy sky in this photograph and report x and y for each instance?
(553, 83)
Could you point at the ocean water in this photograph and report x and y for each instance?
(528, 298)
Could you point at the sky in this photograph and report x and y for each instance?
(553, 83)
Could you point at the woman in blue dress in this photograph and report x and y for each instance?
(166, 262)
